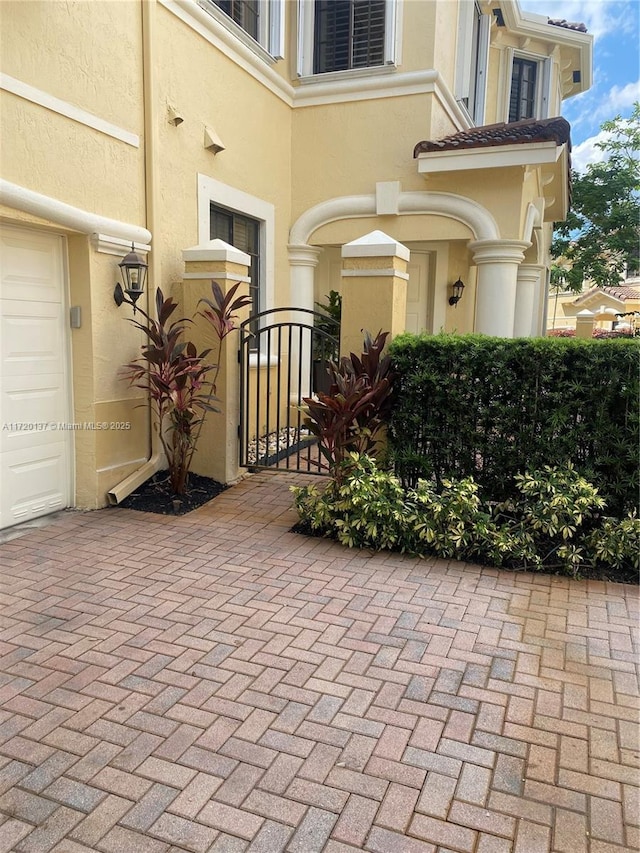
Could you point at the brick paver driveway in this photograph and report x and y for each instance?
(217, 683)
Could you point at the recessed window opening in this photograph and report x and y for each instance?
(522, 100)
(348, 34)
(243, 233)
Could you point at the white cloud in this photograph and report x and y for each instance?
(619, 99)
(586, 153)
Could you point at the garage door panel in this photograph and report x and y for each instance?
(32, 410)
(31, 482)
(35, 453)
(32, 339)
(30, 269)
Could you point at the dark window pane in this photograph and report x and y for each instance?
(348, 34)
(243, 233)
(522, 101)
(244, 12)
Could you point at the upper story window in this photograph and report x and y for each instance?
(246, 13)
(345, 35)
(262, 20)
(348, 34)
(472, 58)
(522, 100)
(529, 88)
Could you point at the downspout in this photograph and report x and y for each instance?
(119, 492)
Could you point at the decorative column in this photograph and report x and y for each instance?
(374, 289)
(585, 321)
(217, 451)
(497, 262)
(303, 261)
(526, 321)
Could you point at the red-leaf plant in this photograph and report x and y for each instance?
(351, 416)
(176, 376)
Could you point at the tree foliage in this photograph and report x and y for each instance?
(601, 235)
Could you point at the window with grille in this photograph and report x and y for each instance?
(522, 100)
(243, 233)
(348, 34)
(246, 13)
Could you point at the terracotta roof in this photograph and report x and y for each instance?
(568, 25)
(517, 132)
(622, 292)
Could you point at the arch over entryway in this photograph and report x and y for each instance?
(470, 213)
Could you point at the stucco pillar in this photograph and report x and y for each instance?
(303, 261)
(374, 289)
(217, 451)
(497, 262)
(585, 321)
(527, 301)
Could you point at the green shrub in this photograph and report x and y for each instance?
(554, 523)
(492, 408)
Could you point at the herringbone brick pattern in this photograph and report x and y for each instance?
(217, 683)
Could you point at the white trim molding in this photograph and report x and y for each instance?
(75, 218)
(495, 157)
(215, 192)
(470, 213)
(115, 246)
(64, 108)
(391, 273)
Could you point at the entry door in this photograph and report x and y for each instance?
(35, 449)
(419, 295)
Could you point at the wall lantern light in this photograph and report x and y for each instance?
(457, 287)
(134, 275)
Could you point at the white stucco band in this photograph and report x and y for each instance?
(60, 213)
(497, 262)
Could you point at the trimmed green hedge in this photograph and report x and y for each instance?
(492, 408)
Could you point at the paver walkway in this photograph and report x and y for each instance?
(217, 683)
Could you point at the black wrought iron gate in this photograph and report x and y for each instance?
(283, 359)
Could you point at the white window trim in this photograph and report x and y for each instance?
(392, 39)
(543, 84)
(270, 43)
(463, 73)
(215, 192)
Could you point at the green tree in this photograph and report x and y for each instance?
(601, 235)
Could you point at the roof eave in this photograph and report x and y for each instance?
(531, 25)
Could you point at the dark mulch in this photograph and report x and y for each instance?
(156, 495)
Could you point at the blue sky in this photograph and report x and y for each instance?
(615, 25)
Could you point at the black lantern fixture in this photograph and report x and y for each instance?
(457, 287)
(134, 275)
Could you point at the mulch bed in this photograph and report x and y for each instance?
(156, 495)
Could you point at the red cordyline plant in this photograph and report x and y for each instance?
(351, 415)
(180, 383)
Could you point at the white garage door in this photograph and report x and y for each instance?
(35, 452)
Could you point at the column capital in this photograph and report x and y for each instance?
(529, 272)
(498, 251)
(302, 255)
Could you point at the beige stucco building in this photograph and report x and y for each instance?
(607, 308)
(284, 128)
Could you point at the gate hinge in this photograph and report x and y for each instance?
(239, 357)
